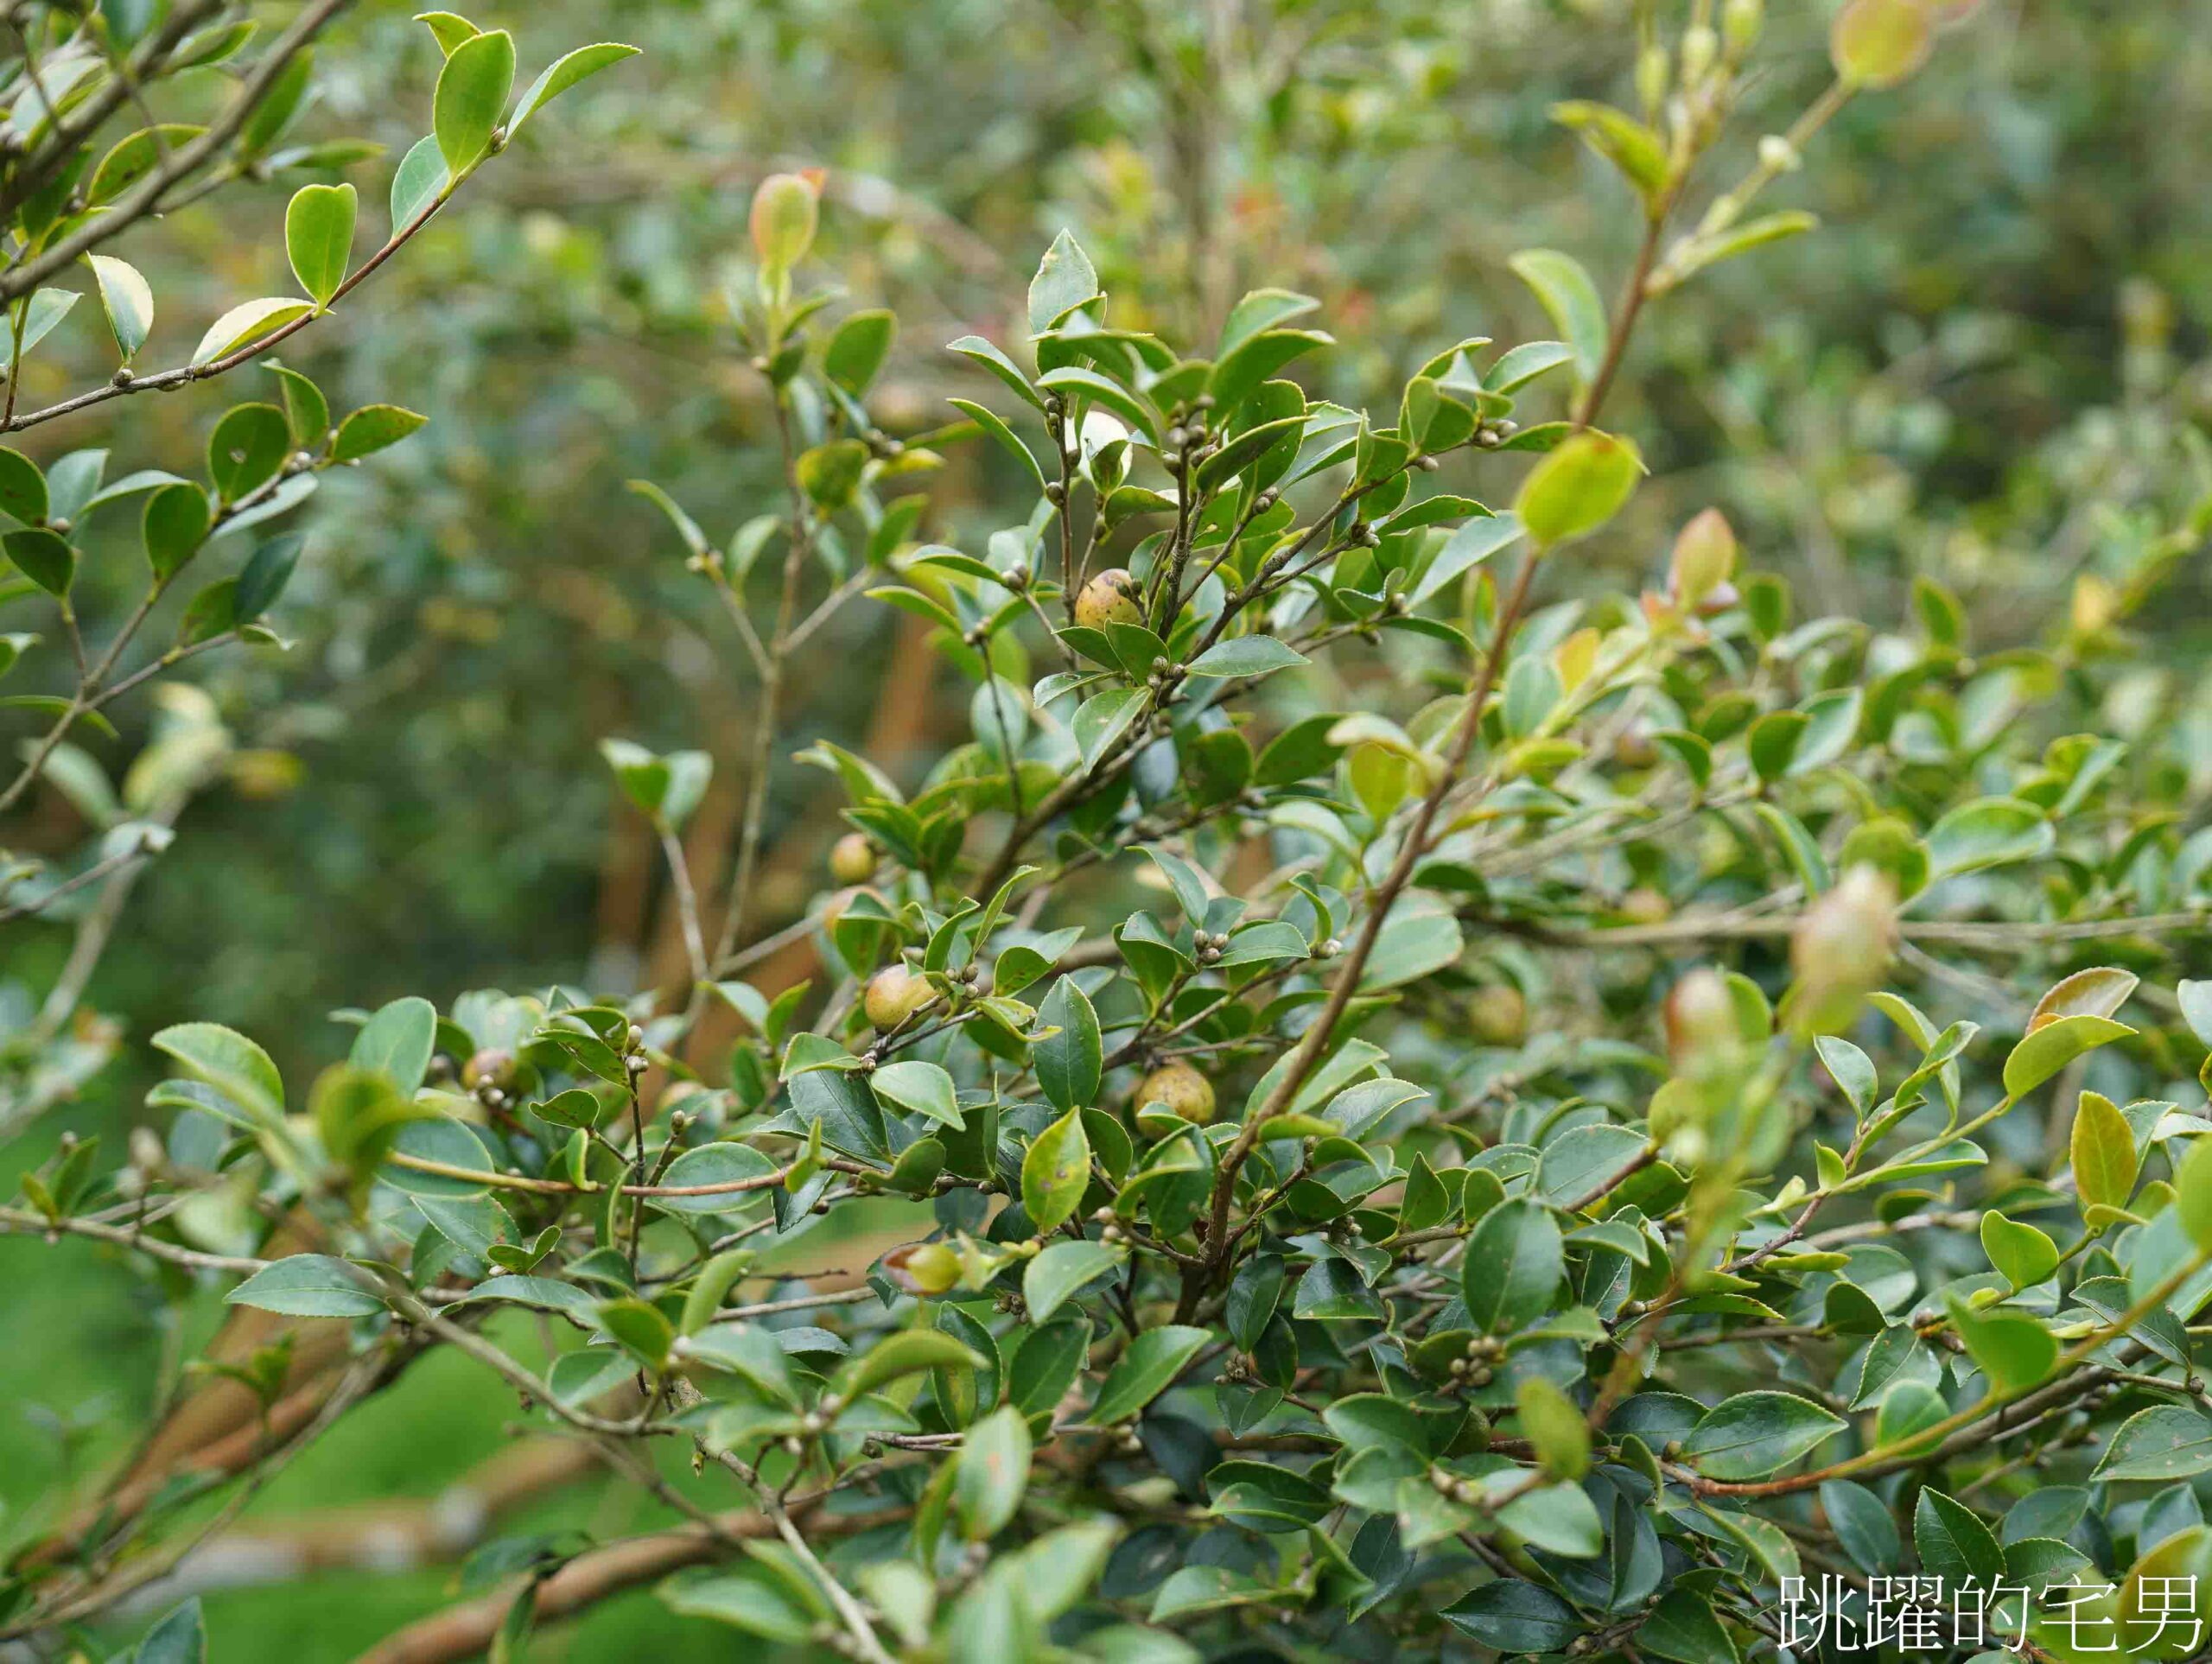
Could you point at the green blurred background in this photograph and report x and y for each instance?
(1985, 367)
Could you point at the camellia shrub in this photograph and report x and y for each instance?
(1433, 1103)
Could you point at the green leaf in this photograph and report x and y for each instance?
(133, 158)
(174, 526)
(418, 182)
(371, 428)
(1245, 655)
(230, 1063)
(1555, 1426)
(991, 424)
(2022, 1254)
(1512, 1616)
(248, 322)
(2102, 1151)
(1513, 1265)
(472, 91)
(2013, 1349)
(908, 1352)
(720, 1165)
(246, 449)
(398, 1041)
(1953, 1543)
(45, 557)
(1754, 1434)
(921, 1086)
(1990, 832)
(1152, 1361)
(857, 349)
(2164, 1443)
(639, 1328)
(180, 1637)
(749, 1600)
(1065, 278)
(307, 1286)
(1638, 152)
(1683, 1629)
(2193, 1194)
(1068, 1063)
(1101, 720)
(1061, 1269)
(22, 487)
(1572, 300)
(2050, 1048)
(127, 299)
(1055, 1172)
(447, 28)
(319, 237)
(265, 576)
(1578, 488)
(564, 73)
(990, 1473)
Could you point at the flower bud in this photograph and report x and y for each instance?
(1704, 557)
(1703, 1035)
(785, 210)
(1653, 71)
(1879, 43)
(1699, 46)
(1740, 21)
(923, 1268)
(1842, 949)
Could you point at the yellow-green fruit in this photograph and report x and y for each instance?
(493, 1066)
(894, 994)
(1645, 905)
(1112, 597)
(851, 859)
(1180, 1090)
(1499, 1015)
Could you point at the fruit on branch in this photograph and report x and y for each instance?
(1112, 597)
(851, 859)
(1498, 1014)
(894, 994)
(1180, 1090)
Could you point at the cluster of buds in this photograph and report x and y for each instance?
(1210, 944)
(1479, 1366)
(1188, 443)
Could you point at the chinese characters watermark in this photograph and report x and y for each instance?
(1831, 1615)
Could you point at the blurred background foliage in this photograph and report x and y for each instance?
(1991, 370)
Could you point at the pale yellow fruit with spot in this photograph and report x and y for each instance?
(1112, 597)
(1180, 1090)
(1499, 1015)
(894, 994)
(851, 859)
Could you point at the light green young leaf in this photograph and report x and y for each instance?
(319, 237)
(128, 300)
(471, 94)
